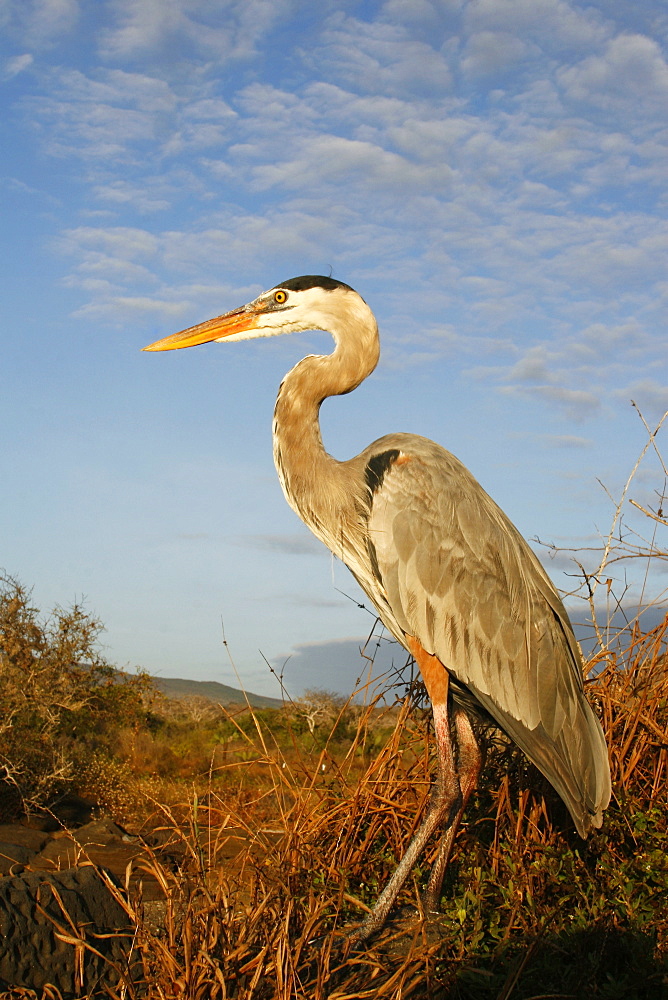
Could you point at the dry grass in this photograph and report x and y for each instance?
(529, 910)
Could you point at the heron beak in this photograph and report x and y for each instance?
(237, 321)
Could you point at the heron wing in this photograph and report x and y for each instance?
(455, 573)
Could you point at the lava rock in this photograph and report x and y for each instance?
(12, 855)
(39, 909)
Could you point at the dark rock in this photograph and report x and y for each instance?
(32, 919)
(59, 852)
(65, 850)
(69, 810)
(12, 855)
(42, 822)
(17, 833)
(11, 800)
(101, 831)
(72, 810)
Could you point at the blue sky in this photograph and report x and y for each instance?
(490, 175)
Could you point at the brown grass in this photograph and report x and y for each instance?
(523, 889)
(525, 900)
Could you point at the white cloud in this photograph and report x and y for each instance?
(630, 75)
(123, 193)
(494, 219)
(123, 242)
(40, 24)
(576, 374)
(489, 52)
(115, 116)
(534, 366)
(53, 17)
(567, 441)
(255, 20)
(622, 252)
(422, 16)
(630, 337)
(330, 158)
(123, 309)
(553, 24)
(339, 106)
(18, 64)
(650, 395)
(101, 118)
(155, 25)
(244, 241)
(113, 265)
(379, 58)
(227, 29)
(115, 86)
(18, 186)
(577, 404)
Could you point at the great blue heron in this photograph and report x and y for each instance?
(450, 576)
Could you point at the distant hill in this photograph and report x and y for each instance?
(222, 694)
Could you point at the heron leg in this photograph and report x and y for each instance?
(446, 800)
(469, 764)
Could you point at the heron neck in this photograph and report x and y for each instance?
(316, 484)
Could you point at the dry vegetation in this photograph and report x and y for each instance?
(529, 910)
(329, 800)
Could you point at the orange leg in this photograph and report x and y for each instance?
(458, 770)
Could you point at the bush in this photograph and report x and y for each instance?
(61, 699)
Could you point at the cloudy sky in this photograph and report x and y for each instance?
(489, 174)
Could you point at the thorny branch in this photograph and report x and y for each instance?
(622, 544)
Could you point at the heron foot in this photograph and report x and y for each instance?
(405, 915)
(431, 902)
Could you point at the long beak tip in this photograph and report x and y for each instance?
(160, 345)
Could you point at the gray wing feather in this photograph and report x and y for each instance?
(452, 570)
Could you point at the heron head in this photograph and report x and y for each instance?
(310, 302)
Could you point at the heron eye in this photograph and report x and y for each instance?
(280, 297)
